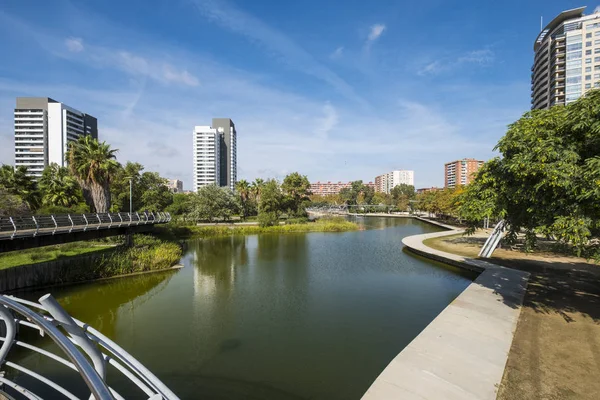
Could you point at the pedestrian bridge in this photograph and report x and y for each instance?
(17, 233)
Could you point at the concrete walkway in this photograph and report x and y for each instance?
(462, 353)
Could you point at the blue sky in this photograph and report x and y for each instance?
(337, 90)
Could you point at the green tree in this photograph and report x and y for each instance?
(182, 204)
(119, 188)
(156, 195)
(93, 164)
(243, 190)
(408, 191)
(548, 179)
(18, 183)
(213, 202)
(296, 189)
(271, 200)
(58, 187)
(11, 205)
(256, 188)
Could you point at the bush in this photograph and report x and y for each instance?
(297, 220)
(267, 219)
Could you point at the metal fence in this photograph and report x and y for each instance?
(89, 352)
(37, 225)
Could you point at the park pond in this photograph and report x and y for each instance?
(270, 316)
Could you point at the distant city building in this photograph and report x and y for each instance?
(43, 130)
(460, 172)
(329, 188)
(207, 160)
(567, 59)
(228, 151)
(425, 190)
(386, 182)
(175, 185)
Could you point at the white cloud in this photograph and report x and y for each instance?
(328, 121)
(179, 76)
(481, 57)
(375, 32)
(337, 53)
(74, 45)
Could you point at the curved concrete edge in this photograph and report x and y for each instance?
(462, 353)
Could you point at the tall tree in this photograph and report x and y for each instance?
(213, 202)
(93, 164)
(58, 187)
(18, 183)
(120, 187)
(270, 204)
(547, 180)
(296, 189)
(243, 190)
(256, 187)
(156, 196)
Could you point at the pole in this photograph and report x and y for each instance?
(130, 197)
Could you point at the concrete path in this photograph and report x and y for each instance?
(462, 353)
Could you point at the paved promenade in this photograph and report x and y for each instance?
(462, 353)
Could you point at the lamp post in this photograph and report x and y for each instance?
(130, 196)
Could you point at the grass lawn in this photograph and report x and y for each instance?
(49, 253)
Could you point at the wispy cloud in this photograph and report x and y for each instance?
(375, 32)
(337, 53)
(481, 58)
(597, 10)
(74, 45)
(287, 51)
(158, 70)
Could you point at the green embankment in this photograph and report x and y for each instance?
(190, 231)
(148, 253)
(50, 253)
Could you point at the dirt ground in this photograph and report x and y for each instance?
(555, 353)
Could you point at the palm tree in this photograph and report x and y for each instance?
(243, 190)
(93, 164)
(58, 187)
(18, 183)
(256, 188)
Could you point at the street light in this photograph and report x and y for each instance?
(130, 196)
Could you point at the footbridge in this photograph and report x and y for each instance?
(17, 233)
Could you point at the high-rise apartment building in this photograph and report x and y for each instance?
(228, 151)
(460, 172)
(207, 157)
(567, 59)
(386, 182)
(43, 130)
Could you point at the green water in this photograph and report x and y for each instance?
(295, 316)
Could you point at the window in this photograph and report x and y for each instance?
(574, 46)
(597, 50)
(574, 79)
(588, 44)
(596, 76)
(588, 85)
(597, 33)
(588, 77)
(588, 35)
(588, 69)
(597, 68)
(574, 55)
(597, 84)
(596, 59)
(588, 52)
(588, 60)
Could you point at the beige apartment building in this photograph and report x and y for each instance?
(386, 182)
(460, 172)
(329, 188)
(567, 59)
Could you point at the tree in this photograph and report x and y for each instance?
(296, 189)
(58, 187)
(16, 182)
(119, 188)
(408, 191)
(182, 204)
(269, 207)
(548, 179)
(243, 191)
(212, 202)
(93, 164)
(256, 188)
(11, 205)
(156, 196)
(350, 194)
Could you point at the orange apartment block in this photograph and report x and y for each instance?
(460, 172)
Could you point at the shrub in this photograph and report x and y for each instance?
(267, 219)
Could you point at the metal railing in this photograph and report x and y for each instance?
(89, 352)
(493, 240)
(38, 225)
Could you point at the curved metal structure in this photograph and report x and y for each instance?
(81, 344)
(23, 227)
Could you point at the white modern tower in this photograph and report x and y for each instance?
(567, 59)
(43, 130)
(215, 154)
(206, 157)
